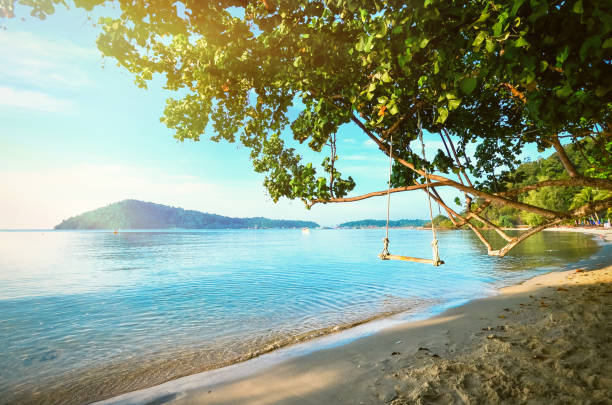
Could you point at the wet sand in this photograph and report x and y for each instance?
(546, 340)
(602, 233)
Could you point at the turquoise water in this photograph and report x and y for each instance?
(88, 315)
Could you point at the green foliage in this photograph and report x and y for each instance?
(500, 73)
(553, 198)
(441, 221)
(588, 195)
(506, 221)
(133, 214)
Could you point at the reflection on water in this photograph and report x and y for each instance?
(87, 315)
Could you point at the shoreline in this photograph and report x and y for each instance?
(327, 365)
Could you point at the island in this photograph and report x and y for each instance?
(135, 214)
(380, 223)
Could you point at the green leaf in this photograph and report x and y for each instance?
(479, 38)
(364, 13)
(359, 45)
(564, 91)
(453, 104)
(578, 9)
(490, 45)
(483, 16)
(521, 42)
(515, 7)
(386, 78)
(543, 65)
(562, 55)
(423, 42)
(607, 43)
(393, 109)
(468, 85)
(442, 115)
(497, 28)
(427, 3)
(382, 31)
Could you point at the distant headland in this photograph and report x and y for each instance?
(380, 223)
(134, 214)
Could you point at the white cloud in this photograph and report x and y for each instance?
(379, 157)
(369, 143)
(38, 61)
(33, 100)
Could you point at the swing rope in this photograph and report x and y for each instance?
(434, 242)
(385, 251)
(385, 255)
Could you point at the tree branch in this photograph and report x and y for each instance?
(461, 167)
(490, 224)
(565, 161)
(554, 217)
(581, 181)
(591, 207)
(532, 231)
(373, 194)
(471, 190)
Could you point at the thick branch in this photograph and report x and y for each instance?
(481, 237)
(471, 190)
(504, 250)
(374, 194)
(461, 168)
(591, 208)
(565, 161)
(490, 224)
(581, 181)
(553, 216)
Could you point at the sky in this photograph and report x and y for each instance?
(77, 134)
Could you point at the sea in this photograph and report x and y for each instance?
(88, 315)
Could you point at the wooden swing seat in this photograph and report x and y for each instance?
(412, 259)
(436, 261)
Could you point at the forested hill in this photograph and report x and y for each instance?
(368, 223)
(552, 198)
(134, 214)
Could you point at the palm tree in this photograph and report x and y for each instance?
(588, 195)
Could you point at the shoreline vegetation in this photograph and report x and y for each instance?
(521, 345)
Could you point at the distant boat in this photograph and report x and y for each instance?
(305, 230)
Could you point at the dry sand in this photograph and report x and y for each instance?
(545, 341)
(603, 233)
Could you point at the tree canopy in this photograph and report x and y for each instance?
(499, 73)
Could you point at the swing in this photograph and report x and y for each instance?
(385, 255)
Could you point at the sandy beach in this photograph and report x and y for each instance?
(546, 340)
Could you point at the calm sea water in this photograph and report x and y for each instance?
(89, 315)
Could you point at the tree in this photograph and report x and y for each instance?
(589, 196)
(501, 73)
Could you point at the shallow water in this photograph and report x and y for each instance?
(88, 315)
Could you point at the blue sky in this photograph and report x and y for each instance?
(77, 134)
